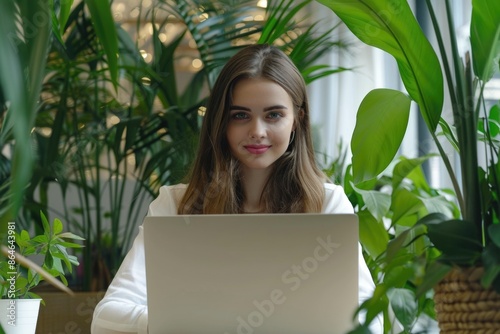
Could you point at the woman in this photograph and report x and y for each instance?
(255, 156)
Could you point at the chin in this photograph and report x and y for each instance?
(257, 166)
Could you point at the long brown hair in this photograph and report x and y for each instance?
(295, 184)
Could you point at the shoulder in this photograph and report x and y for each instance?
(174, 189)
(332, 189)
(335, 200)
(167, 201)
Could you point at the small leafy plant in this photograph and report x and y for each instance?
(18, 279)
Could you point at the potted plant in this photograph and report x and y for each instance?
(467, 246)
(19, 276)
(387, 207)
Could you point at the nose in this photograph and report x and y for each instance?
(257, 129)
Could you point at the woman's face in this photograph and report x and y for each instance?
(260, 124)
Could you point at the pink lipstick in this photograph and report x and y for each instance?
(257, 149)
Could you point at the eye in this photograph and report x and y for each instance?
(274, 115)
(239, 115)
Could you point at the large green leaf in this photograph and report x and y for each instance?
(377, 303)
(457, 239)
(404, 204)
(381, 123)
(405, 167)
(438, 204)
(64, 14)
(372, 234)
(485, 37)
(376, 202)
(402, 241)
(434, 274)
(494, 234)
(11, 74)
(396, 276)
(491, 262)
(391, 26)
(104, 25)
(404, 305)
(165, 68)
(24, 35)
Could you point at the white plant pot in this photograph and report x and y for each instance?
(19, 316)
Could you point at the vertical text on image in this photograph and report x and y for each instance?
(12, 272)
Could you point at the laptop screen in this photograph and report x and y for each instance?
(260, 273)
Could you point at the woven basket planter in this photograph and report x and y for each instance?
(463, 306)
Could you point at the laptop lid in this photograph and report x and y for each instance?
(257, 273)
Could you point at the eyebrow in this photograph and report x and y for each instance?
(278, 106)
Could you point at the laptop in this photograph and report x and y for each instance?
(255, 273)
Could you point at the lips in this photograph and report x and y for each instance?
(257, 149)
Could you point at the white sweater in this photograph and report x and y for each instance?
(124, 307)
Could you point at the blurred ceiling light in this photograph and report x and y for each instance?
(293, 35)
(131, 159)
(118, 16)
(197, 63)
(262, 3)
(202, 110)
(135, 12)
(203, 17)
(149, 28)
(114, 120)
(45, 131)
(120, 7)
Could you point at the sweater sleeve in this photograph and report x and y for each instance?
(124, 306)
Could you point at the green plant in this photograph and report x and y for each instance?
(473, 238)
(26, 29)
(20, 88)
(16, 280)
(389, 208)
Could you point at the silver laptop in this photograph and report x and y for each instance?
(246, 274)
